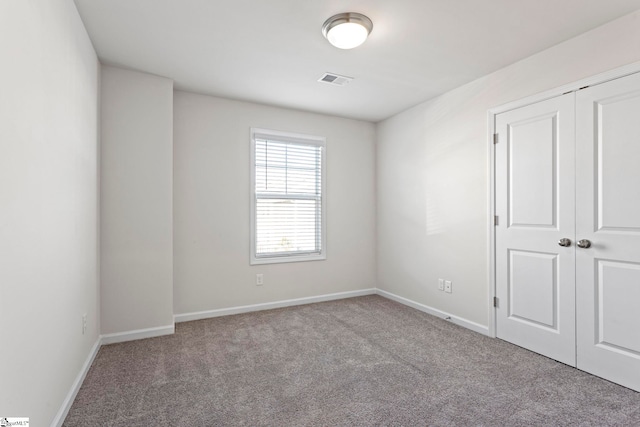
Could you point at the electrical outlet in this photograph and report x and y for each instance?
(441, 284)
(84, 323)
(447, 286)
(259, 279)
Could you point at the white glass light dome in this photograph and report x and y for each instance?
(347, 30)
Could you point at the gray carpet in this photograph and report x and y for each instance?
(358, 362)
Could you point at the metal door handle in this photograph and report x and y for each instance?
(564, 242)
(584, 244)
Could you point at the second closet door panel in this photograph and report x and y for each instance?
(608, 216)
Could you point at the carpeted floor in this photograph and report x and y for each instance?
(358, 362)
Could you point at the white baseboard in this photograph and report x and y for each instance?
(75, 387)
(476, 327)
(137, 334)
(187, 317)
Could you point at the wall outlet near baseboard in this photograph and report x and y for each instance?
(259, 279)
(447, 286)
(441, 284)
(84, 323)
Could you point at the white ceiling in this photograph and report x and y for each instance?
(273, 51)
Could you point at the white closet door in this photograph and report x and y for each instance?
(535, 196)
(608, 215)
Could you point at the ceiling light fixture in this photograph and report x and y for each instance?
(347, 30)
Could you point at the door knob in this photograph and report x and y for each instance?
(584, 244)
(564, 242)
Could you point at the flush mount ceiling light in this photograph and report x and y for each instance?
(347, 30)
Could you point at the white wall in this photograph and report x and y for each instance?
(48, 205)
(432, 171)
(211, 206)
(136, 201)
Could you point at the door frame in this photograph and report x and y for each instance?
(616, 73)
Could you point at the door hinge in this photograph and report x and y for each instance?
(496, 301)
(495, 138)
(496, 220)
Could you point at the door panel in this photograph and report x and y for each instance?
(617, 296)
(535, 277)
(608, 214)
(533, 288)
(532, 149)
(617, 157)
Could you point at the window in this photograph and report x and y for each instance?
(287, 197)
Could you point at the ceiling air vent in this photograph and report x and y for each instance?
(335, 79)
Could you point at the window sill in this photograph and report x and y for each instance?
(287, 259)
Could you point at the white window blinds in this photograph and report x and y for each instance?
(288, 197)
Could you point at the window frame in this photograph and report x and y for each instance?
(289, 137)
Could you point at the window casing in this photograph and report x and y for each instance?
(288, 203)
